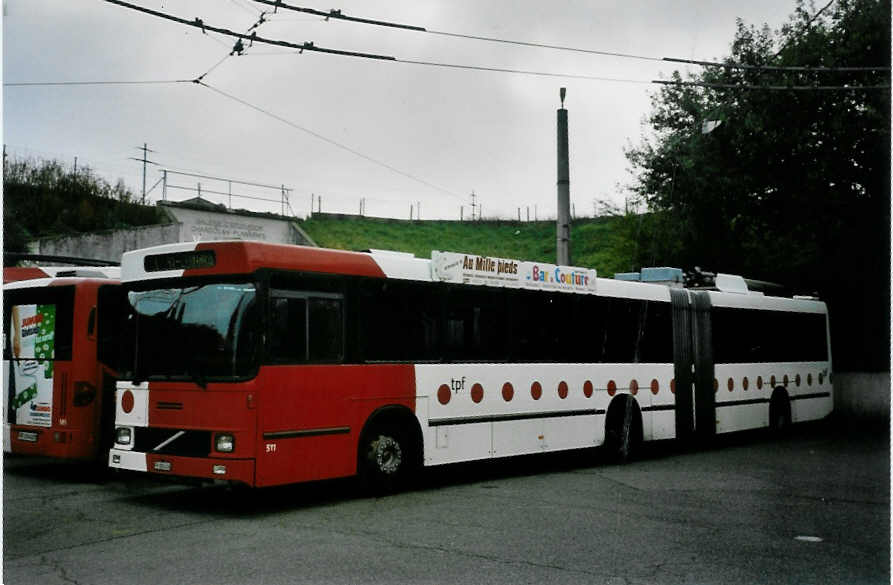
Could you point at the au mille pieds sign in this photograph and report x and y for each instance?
(473, 269)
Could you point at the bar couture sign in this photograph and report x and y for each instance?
(471, 269)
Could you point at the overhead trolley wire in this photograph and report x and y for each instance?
(328, 140)
(310, 46)
(98, 82)
(771, 87)
(199, 23)
(339, 15)
(521, 71)
(798, 68)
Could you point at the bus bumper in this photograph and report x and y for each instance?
(234, 470)
(54, 442)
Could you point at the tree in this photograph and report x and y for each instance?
(793, 185)
(45, 199)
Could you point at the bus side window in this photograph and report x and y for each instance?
(326, 330)
(305, 327)
(288, 332)
(91, 323)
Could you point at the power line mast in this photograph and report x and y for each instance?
(145, 161)
(563, 231)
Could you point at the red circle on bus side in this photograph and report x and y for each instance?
(715, 385)
(821, 378)
(759, 382)
(508, 392)
(444, 394)
(797, 380)
(127, 401)
(655, 386)
(587, 389)
(772, 381)
(633, 387)
(477, 392)
(786, 381)
(809, 379)
(731, 384)
(673, 386)
(745, 384)
(612, 388)
(562, 390)
(536, 390)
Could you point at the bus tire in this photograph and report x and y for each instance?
(779, 413)
(387, 460)
(623, 429)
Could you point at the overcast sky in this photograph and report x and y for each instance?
(407, 132)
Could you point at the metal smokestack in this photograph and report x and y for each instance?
(563, 231)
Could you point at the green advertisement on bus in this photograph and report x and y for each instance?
(32, 337)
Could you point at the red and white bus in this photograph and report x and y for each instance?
(270, 364)
(55, 388)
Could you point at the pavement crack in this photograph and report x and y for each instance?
(58, 568)
(379, 537)
(114, 538)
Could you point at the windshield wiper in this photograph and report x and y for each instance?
(198, 377)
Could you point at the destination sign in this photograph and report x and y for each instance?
(180, 261)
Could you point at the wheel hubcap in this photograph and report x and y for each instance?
(388, 455)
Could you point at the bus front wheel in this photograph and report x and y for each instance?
(386, 461)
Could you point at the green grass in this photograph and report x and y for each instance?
(601, 243)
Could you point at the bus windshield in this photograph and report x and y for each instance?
(201, 332)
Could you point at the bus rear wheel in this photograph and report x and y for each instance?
(386, 461)
(780, 414)
(623, 430)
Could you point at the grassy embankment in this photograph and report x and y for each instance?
(603, 243)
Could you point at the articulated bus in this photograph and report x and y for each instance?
(268, 364)
(55, 388)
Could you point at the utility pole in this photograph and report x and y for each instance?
(145, 161)
(563, 231)
(472, 205)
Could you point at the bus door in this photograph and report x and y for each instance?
(305, 417)
(112, 306)
(693, 364)
(702, 343)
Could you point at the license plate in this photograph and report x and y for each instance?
(162, 466)
(28, 436)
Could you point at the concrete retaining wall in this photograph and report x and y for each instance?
(109, 244)
(862, 395)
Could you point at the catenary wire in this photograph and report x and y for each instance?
(772, 87)
(327, 140)
(309, 46)
(339, 15)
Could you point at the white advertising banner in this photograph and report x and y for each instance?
(32, 334)
(472, 269)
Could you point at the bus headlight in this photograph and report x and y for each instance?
(123, 435)
(224, 443)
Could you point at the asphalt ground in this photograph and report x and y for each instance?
(811, 508)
